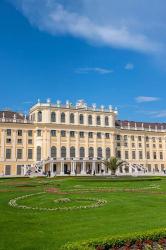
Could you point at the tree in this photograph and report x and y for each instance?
(113, 164)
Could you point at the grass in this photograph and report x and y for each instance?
(132, 206)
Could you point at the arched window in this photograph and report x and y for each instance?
(90, 120)
(53, 117)
(99, 152)
(98, 120)
(91, 152)
(63, 117)
(38, 153)
(39, 116)
(106, 121)
(72, 152)
(63, 152)
(108, 153)
(82, 152)
(81, 119)
(53, 152)
(72, 118)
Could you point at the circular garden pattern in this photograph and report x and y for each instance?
(61, 204)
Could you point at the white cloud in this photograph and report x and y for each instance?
(153, 114)
(127, 25)
(141, 99)
(158, 114)
(101, 71)
(129, 66)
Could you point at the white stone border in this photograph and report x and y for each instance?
(98, 203)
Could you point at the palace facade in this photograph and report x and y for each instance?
(67, 139)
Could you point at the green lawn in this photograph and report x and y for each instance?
(132, 206)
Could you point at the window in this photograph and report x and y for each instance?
(99, 152)
(72, 152)
(81, 134)
(8, 132)
(19, 167)
(107, 135)
(53, 133)
(106, 121)
(133, 155)
(118, 137)
(38, 153)
(90, 134)
(81, 119)
(19, 141)
(140, 155)
(90, 120)
(153, 139)
(132, 137)
(19, 153)
(72, 118)
(160, 140)
(91, 152)
(108, 153)
(118, 144)
(118, 154)
(140, 145)
(139, 138)
(156, 168)
(53, 152)
(63, 152)
(162, 167)
(38, 132)
(126, 155)
(154, 145)
(63, 118)
(98, 120)
(53, 117)
(161, 155)
(8, 153)
(133, 145)
(160, 145)
(149, 167)
(147, 145)
(82, 152)
(147, 138)
(99, 135)
(30, 153)
(125, 137)
(29, 141)
(154, 155)
(8, 140)
(7, 170)
(30, 133)
(39, 116)
(19, 132)
(72, 133)
(63, 133)
(148, 155)
(125, 144)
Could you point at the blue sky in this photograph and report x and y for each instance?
(105, 52)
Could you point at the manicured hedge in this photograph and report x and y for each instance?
(116, 241)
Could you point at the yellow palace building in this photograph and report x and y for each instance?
(73, 139)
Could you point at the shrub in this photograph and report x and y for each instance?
(117, 241)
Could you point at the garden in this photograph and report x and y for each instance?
(79, 213)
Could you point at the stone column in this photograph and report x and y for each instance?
(58, 144)
(3, 154)
(62, 168)
(83, 171)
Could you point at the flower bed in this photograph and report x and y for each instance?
(96, 203)
(151, 240)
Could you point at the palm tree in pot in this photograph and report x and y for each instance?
(113, 164)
